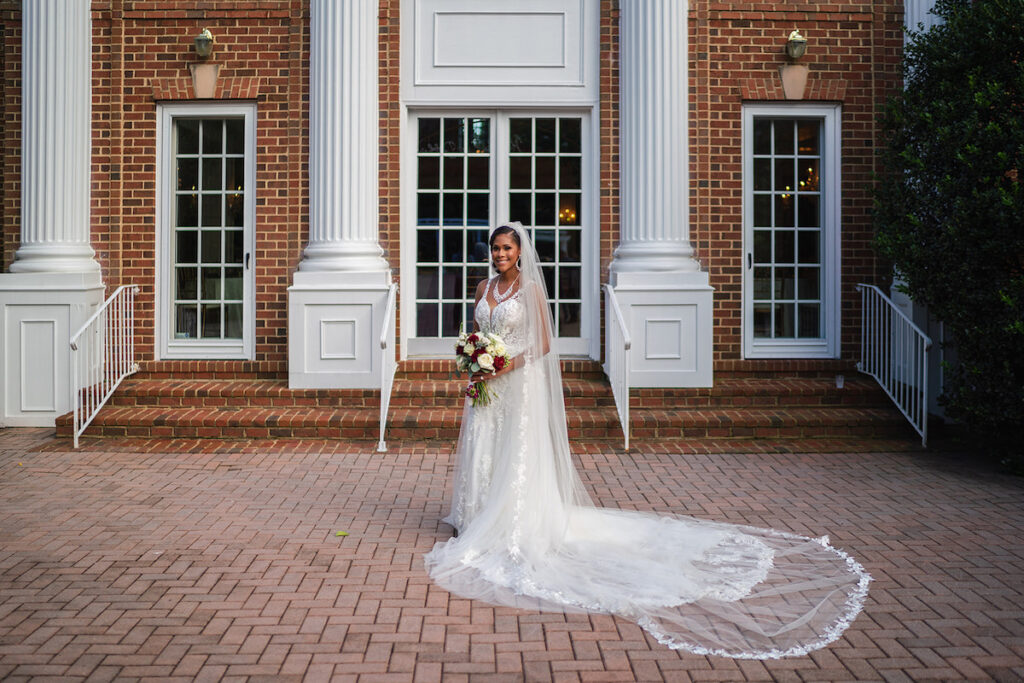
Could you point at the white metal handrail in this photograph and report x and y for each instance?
(102, 354)
(617, 358)
(894, 351)
(388, 364)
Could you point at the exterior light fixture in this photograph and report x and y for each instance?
(796, 45)
(204, 43)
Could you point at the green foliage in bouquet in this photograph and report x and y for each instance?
(949, 208)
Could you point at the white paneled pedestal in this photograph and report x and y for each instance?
(334, 325)
(670, 321)
(38, 314)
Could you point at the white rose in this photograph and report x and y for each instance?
(486, 361)
(468, 349)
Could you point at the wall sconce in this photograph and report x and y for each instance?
(796, 45)
(204, 43)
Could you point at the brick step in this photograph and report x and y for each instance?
(443, 370)
(221, 393)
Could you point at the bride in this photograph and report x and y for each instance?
(529, 536)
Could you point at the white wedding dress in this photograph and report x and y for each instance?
(530, 537)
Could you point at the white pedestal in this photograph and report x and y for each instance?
(38, 314)
(334, 324)
(669, 315)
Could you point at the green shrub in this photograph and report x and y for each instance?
(949, 209)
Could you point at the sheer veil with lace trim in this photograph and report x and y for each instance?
(529, 535)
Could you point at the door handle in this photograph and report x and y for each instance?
(750, 260)
(247, 255)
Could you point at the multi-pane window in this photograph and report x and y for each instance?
(787, 222)
(208, 226)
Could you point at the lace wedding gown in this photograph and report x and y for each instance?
(530, 537)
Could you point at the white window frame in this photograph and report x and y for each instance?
(589, 342)
(831, 234)
(168, 348)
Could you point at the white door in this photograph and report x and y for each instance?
(474, 171)
(791, 231)
(207, 219)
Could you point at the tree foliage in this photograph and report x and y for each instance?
(949, 209)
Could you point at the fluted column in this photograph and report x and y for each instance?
(654, 179)
(343, 122)
(56, 115)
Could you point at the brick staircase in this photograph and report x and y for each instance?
(426, 406)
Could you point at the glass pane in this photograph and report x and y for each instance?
(451, 282)
(762, 320)
(784, 210)
(187, 283)
(233, 284)
(762, 246)
(211, 210)
(809, 283)
(188, 174)
(453, 208)
(478, 173)
(235, 136)
(426, 282)
(213, 137)
(211, 284)
(454, 135)
(188, 136)
(429, 176)
(478, 209)
(211, 246)
(520, 135)
(233, 321)
(188, 246)
(235, 178)
(807, 132)
(762, 210)
(426, 320)
(519, 208)
(762, 136)
(477, 248)
(569, 208)
(545, 177)
(569, 282)
(545, 135)
(479, 136)
(785, 172)
(569, 136)
(762, 174)
(572, 245)
(762, 283)
(810, 216)
(426, 246)
(544, 242)
(569, 173)
(186, 319)
(234, 246)
(785, 283)
(234, 215)
(545, 207)
(453, 173)
(807, 246)
(549, 281)
(427, 208)
(211, 174)
(784, 137)
(807, 172)
(569, 320)
(451, 319)
(452, 245)
(785, 320)
(784, 246)
(473, 278)
(810, 323)
(188, 210)
(211, 321)
(430, 136)
(519, 173)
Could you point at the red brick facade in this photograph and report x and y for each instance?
(141, 53)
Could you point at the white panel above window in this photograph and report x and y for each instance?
(494, 52)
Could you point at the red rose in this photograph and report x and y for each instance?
(477, 352)
(473, 338)
(499, 362)
(459, 349)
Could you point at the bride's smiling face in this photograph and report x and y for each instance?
(504, 253)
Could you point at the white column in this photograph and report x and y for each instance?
(338, 297)
(664, 295)
(343, 125)
(56, 130)
(654, 179)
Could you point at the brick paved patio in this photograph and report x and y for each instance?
(227, 566)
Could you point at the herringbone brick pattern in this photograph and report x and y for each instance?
(119, 565)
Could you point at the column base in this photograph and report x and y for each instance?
(669, 315)
(38, 314)
(55, 258)
(334, 325)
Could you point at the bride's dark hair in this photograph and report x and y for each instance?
(505, 230)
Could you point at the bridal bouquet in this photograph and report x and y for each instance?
(478, 352)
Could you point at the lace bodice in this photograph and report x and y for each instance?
(507, 319)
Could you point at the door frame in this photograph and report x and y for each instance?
(589, 344)
(831, 233)
(166, 347)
